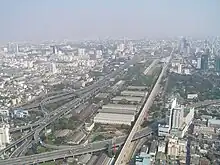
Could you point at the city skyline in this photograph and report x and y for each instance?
(46, 20)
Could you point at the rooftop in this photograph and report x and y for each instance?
(137, 87)
(133, 93)
(214, 121)
(128, 98)
(117, 111)
(112, 116)
(120, 106)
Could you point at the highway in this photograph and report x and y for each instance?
(17, 151)
(121, 160)
(205, 103)
(72, 151)
(66, 108)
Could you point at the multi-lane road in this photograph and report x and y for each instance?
(122, 158)
(73, 151)
(84, 94)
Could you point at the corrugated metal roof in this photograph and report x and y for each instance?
(128, 98)
(120, 106)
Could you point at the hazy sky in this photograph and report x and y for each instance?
(88, 19)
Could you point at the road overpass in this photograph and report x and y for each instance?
(122, 159)
(65, 109)
(73, 151)
(205, 103)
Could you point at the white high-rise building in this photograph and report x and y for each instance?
(17, 49)
(81, 52)
(179, 70)
(98, 53)
(4, 135)
(199, 60)
(177, 117)
(121, 47)
(53, 68)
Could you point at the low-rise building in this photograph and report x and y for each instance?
(20, 113)
(4, 135)
(192, 96)
(109, 118)
(139, 88)
(120, 106)
(163, 130)
(4, 112)
(133, 93)
(162, 146)
(214, 123)
(176, 147)
(84, 159)
(89, 126)
(204, 130)
(117, 111)
(133, 100)
(153, 149)
(77, 137)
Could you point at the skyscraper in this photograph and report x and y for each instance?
(179, 70)
(53, 68)
(177, 118)
(81, 52)
(54, 49)
(199, 63)
(204, 62)
(183, 45)
(217, 64)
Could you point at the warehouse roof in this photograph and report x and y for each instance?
(120, 106)
(114, 117)
(102, 95)
(128, 98)
(137, 87)
(214, 121)
(117, 111)
(133, 93)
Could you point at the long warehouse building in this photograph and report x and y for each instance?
(140, 88)
(121, 106)
(118, 111)
(134, 93)
(135, 100)
(110, 118)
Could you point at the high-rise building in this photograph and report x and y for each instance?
(4, 135)
(204, 62)
(53, 68)
(81, 52)
(179, 70)
(199, 63)
(121, 47)
(180, 119)
(17, 49)
(98, 53)
(183, 45)
(217, 64)
(54, 49)
(177, 117)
